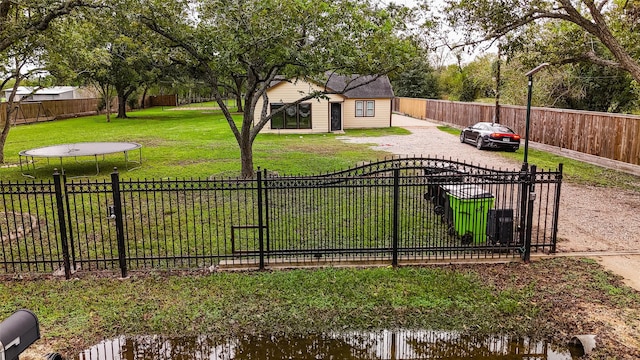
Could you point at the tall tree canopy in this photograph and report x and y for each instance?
(418, 79)
(258, 40)
(108, 48)
(612, 23)
(22, 25)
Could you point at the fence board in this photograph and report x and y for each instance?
(162, 100)
(613, 136)
(38, 111)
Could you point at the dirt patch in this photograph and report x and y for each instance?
(16, 225)
(575, 296)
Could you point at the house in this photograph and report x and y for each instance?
(366, 103)
(26, 93)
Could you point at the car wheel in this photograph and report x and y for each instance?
(462, 137)
(513, 149)
(479, 143)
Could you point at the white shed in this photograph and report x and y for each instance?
(26, 93)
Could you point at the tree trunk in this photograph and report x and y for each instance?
(601, 30)
(144, 97)
(108, 101)
(239, 102)
(238, 93)
(122, 107)
(5, 131)
(246, 157)
(10, 108)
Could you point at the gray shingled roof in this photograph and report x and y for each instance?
(379, 88)
(372, 89)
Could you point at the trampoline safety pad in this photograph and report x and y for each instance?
(77, 150)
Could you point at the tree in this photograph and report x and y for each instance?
(417, 79)
(614, 24)
(468, 82)
(21, 25)
(260, 40)
(109, 48)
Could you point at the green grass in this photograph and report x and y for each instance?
(185, 144)
(449, 129)
(574, 171)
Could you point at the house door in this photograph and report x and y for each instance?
(336, 116)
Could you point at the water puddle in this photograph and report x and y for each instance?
(348, 345)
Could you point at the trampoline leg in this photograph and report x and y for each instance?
(22, 169)
(97, 166)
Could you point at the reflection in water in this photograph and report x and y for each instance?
(355, 346)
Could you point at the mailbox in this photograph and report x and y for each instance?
(17, 333)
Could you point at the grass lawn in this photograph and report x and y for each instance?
(185, 144)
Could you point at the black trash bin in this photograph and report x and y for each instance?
(500, 226)
(436, 180)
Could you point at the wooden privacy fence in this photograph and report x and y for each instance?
(47, 110)
(37, 111)
(161, 100)
(612, 136)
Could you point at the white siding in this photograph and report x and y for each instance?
(382, 116)
(290, 92)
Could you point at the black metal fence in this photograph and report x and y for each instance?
(395, 211)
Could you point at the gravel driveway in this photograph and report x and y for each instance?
(591, 218)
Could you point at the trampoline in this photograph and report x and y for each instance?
(78, 150)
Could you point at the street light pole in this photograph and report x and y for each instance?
(525, 162)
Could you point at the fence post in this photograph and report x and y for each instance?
(70, 225)
(524, 189)
(266, 211)
(117, 211)
(396, 205)
(260, 228)
(529, 226)
(556, 210)
(62, 224)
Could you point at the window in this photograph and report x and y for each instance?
(371, 108)
(293, 117)
(365, 108)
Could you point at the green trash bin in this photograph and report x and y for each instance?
(470, 206)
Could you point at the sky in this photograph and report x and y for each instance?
(442, 55)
